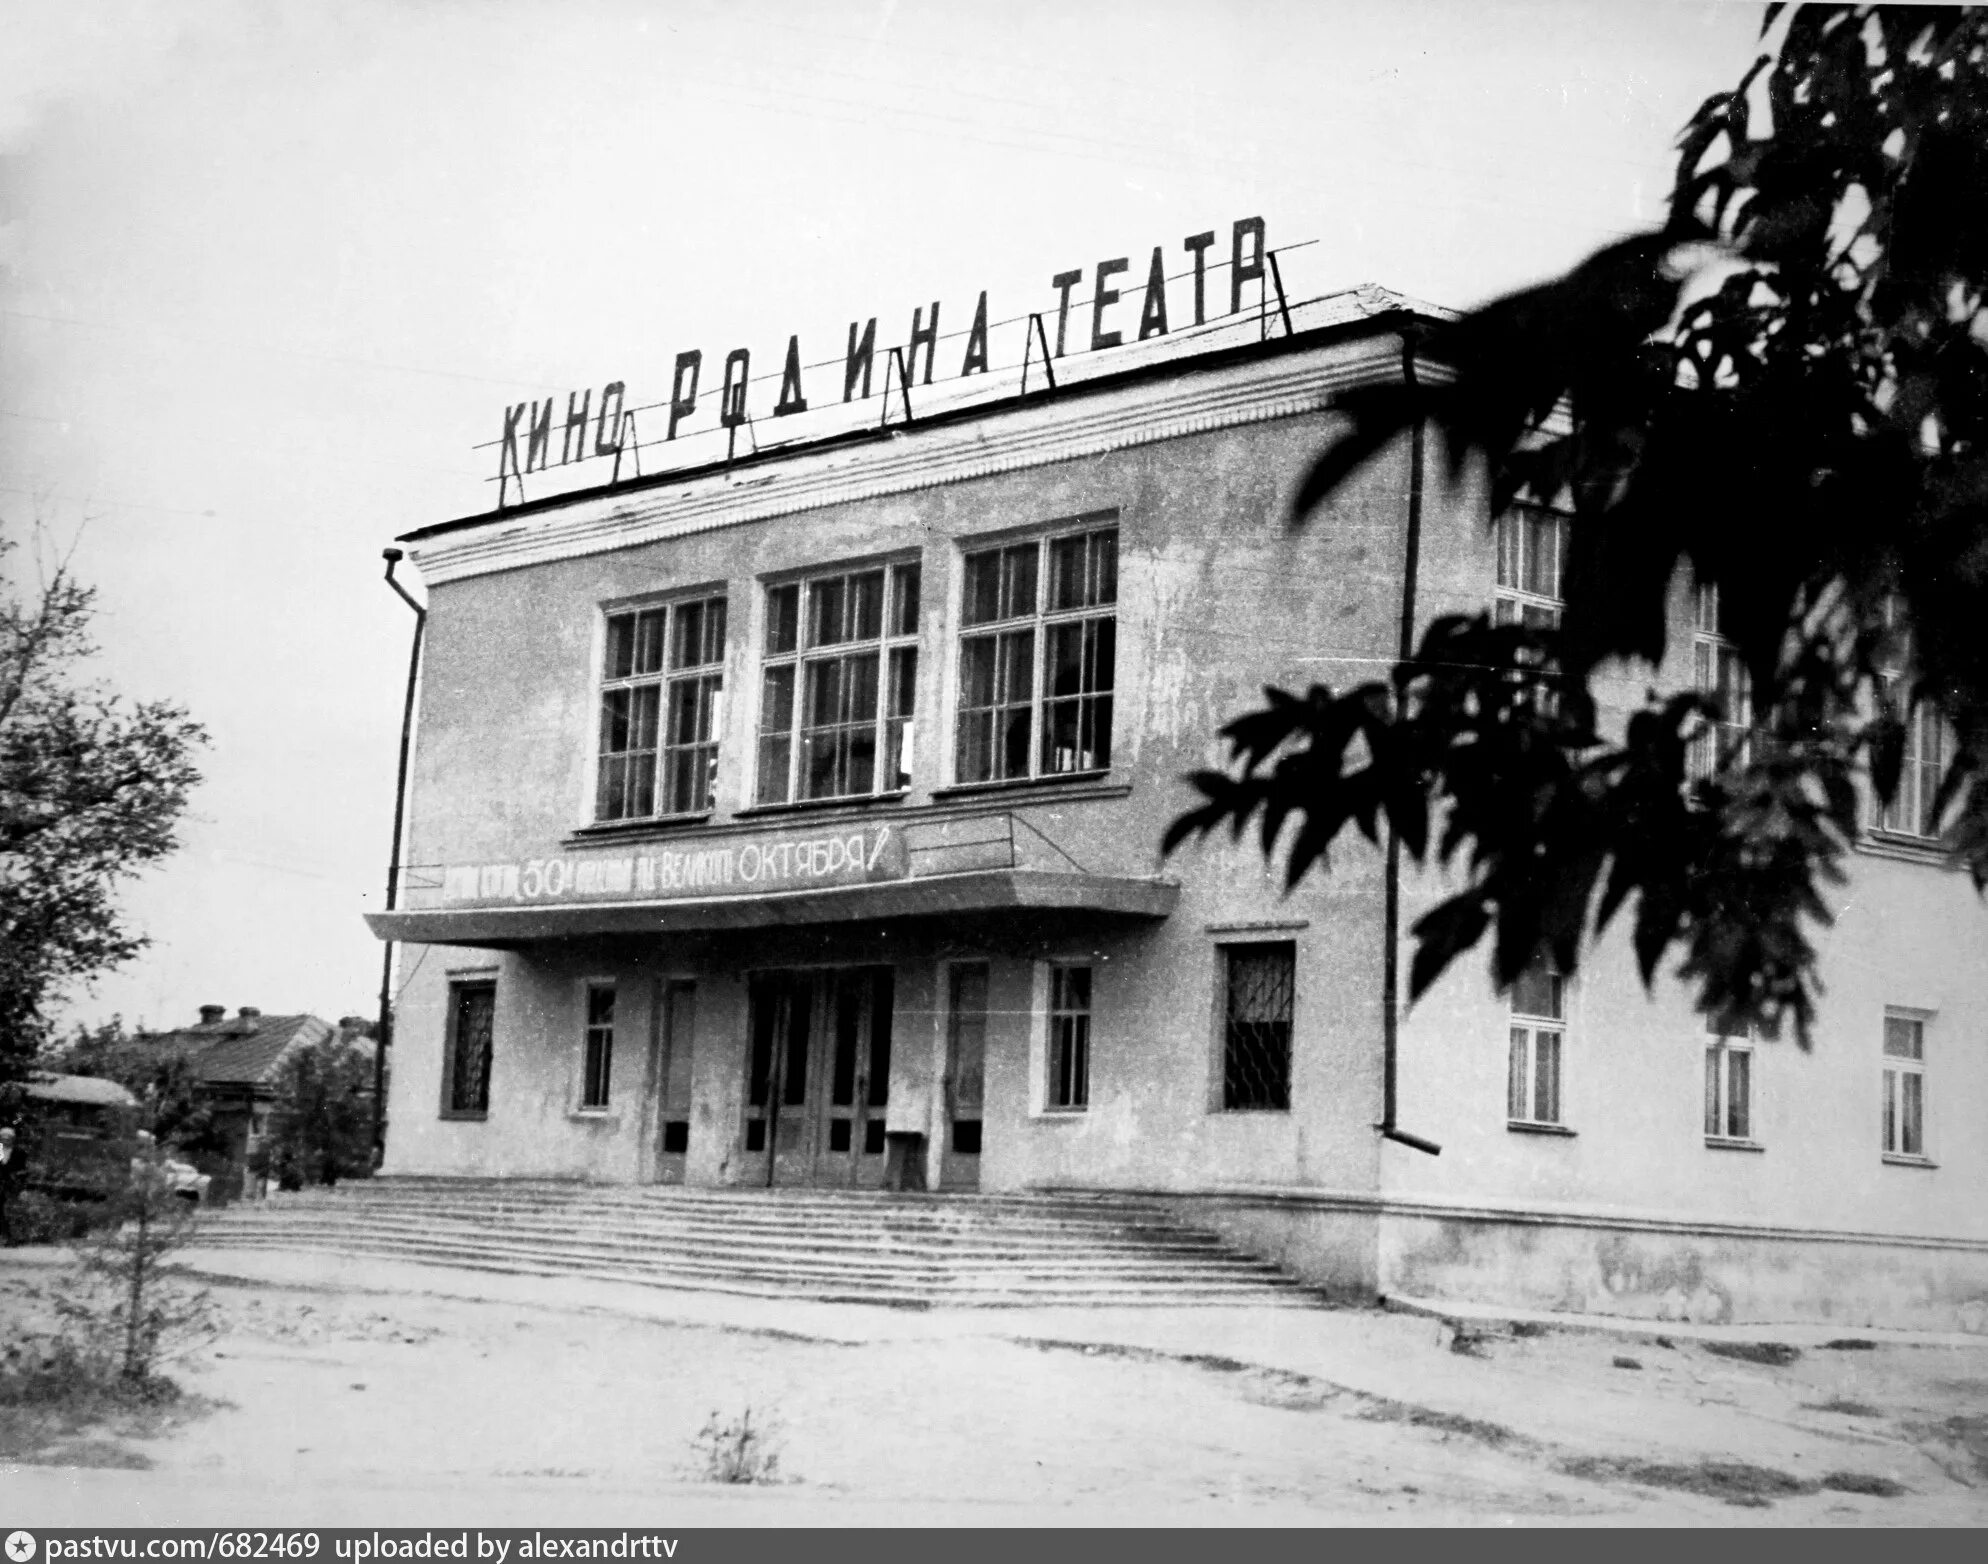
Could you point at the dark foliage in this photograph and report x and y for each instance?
(321, 1125)
(1784, 392)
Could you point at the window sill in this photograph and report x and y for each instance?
(1900, 1159)
(1728, 1143)
(612, 830)
(857, 803)
(1226, 1112)
(1533, 1127)
(460, 1116)
(1060, 1115)
(1905, 848)
(607, 1117)
(1085, 784)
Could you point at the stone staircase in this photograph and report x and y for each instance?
(911, 1251)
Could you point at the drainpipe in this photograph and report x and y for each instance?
(1391, 914)
(393, 557)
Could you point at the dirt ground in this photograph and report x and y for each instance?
(376, 1394)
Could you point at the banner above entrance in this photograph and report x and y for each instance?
(741, 865)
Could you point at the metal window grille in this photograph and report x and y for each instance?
(1021, 714)
(1256, 1051)
(599, 1063)
(1069, 1037)
(662, 686)
(839, 685)
(473, 1013)
(1904, 1086)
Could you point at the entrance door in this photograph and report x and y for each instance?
(818, 1076)
(965, 1078)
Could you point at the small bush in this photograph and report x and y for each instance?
(37, 1217)
(735, 1450)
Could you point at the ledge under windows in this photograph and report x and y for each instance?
(1080, 784)
(1533, 1127)
(1729, 1143)
(1906, 849)
(606, 1117)
(1899, 1159)
(860, 803)
(615, 830)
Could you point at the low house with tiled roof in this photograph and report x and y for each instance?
(236, 1061)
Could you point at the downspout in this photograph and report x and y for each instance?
(393, 557)
(1391, 914)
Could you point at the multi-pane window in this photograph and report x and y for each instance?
(1717, 671)
(1729, 1084)
(1904, 1086)
(661, 692)
(1256, 1031)
(1069, 1061)
(1532, 552)
(839, 685)
(1539, 1034)
(1038, 655)
(598, 1064)
(1913, 810)
(472, 1018)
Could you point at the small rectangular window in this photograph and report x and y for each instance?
(1258, 983)
(662, 684)
(838, 685)
(1538, 1039)
(599, 1061)
(1069, 1037)
(1532, 552)
(1729, 1078)
(472, 1020)
(1904, 1107)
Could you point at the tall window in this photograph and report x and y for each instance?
(839, 686)
(1532, 552)
(1256, 1034)
(1038, 654)
(1539, 1033)
(1069, 1038)
(1912, 810)
(472, 1017)
(1729, 1084)
(661, 694)
(599, 1061)
(1904, 1086)
(1718, 672)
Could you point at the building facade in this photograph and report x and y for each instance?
(798, 822)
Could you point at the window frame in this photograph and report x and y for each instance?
(666, 678)
(1722, 1050)
(1717, 669)
(1894, 1071)
(1926, 729)
(596, 1094)
(897, 643)
(1039, 623)
(1073, 1085)
(1225, 1073)
(1512, 597)
(459, 987)
(1522, 1084)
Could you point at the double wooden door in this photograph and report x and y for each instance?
(817, 1076)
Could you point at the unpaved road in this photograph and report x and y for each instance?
(357, 1393)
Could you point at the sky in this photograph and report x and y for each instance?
(271, 272)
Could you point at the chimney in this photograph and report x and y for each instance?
(249, 1012)
(209, 1014)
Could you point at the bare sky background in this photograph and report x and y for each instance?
(269, 271)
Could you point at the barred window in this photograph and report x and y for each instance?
(1532, 553)
(1538, 1036)
(661, 700)
(1904, 1086)
(839, 685)
(1256, 1037)
(1069, 1038)
(1038, 658)
(599, 1051)
(472, 1018)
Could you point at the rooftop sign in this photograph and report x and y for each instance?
(606, 427)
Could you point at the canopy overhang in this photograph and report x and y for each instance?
(979, 891)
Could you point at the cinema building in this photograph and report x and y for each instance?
(796, 821)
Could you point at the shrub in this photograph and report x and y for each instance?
(736, 1451)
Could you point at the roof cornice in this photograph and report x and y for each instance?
(1003, 438)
